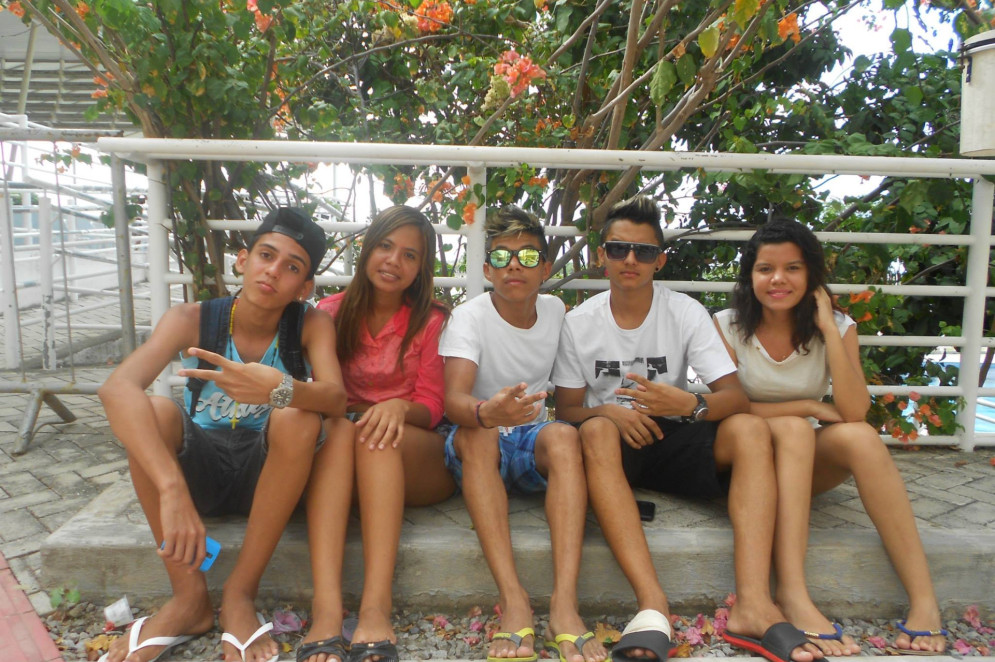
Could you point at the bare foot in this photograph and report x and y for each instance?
(923, 620)
(324, 626)
(805, 616)
(516, 614)
(238, 618)
(175, 618)
(753, 620)
(374, 625)
(569, 622)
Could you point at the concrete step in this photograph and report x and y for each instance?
(106, 551)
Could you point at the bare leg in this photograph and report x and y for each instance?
(794, 454)
(291, 438)
(329, 493)
(558, 458)
(380, 482)
(615, 507)
(426, 479)
(743, 444)
(855, 448)
(487, 503)
(189, 610)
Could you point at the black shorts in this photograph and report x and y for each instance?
(222, 466)
(682, 463)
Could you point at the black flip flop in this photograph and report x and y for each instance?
(334, 646)
(385, 650)
(776, 644)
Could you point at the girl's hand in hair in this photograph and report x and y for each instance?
(824, 318)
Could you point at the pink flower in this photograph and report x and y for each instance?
(877, 642)
(721, 618)
(972, 617)
(476, 626)
(693, 636)
(730, 600)
(472, 640)
(286, 621)
(963, 647)
(439, 622)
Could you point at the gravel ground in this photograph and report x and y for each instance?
(79, 633)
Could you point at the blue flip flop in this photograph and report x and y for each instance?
(920, 633)
(833, 636)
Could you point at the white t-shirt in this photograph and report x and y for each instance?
(505, 355)
(676, 334)
(801, 376)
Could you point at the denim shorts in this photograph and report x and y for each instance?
(518, 459)
(222, 466)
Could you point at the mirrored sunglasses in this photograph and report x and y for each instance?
(619, 250)
(499, 258)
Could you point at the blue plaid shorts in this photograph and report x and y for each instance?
(518, 459)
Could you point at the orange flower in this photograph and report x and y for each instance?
(16, 9)
(433, 15)
(468, 211)
(82, 9)
(538, 181)
(888, 398)
(98, 94)
(902, 406)
(866, 317)
(788, 27)
(914, 397)
(518, 70)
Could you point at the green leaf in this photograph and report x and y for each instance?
(708, 41)
(901, 40)
(744, 10)
(914, 95)
(686, 69)
(662, 82)
(861, 64)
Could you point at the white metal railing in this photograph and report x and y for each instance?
(476, 159)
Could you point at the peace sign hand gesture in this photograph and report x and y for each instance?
(248, 383)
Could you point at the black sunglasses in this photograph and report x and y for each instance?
(619, 250)
(499, 258)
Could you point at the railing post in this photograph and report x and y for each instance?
(46, 278)
(8, 280)
(974, 306)
(475, 235)
(122, 240)
(158, 255)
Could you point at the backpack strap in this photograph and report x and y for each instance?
(214, 317)
(290, 329)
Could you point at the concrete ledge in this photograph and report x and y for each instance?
(106, 551)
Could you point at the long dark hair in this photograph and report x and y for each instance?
(358, 300)
(749, 311)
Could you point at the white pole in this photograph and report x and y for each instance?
(8, 279)
(475, 235)
(158, 255)
(974, 306)
(48, 358)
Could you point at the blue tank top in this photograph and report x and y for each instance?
(215, 408)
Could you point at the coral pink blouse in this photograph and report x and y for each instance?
(372, 374)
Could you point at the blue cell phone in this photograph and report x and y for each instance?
(213, 549)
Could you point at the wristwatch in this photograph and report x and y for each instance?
(700, 410)
(281, 396)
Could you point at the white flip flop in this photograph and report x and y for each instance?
(133, 645)
(265, 626)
